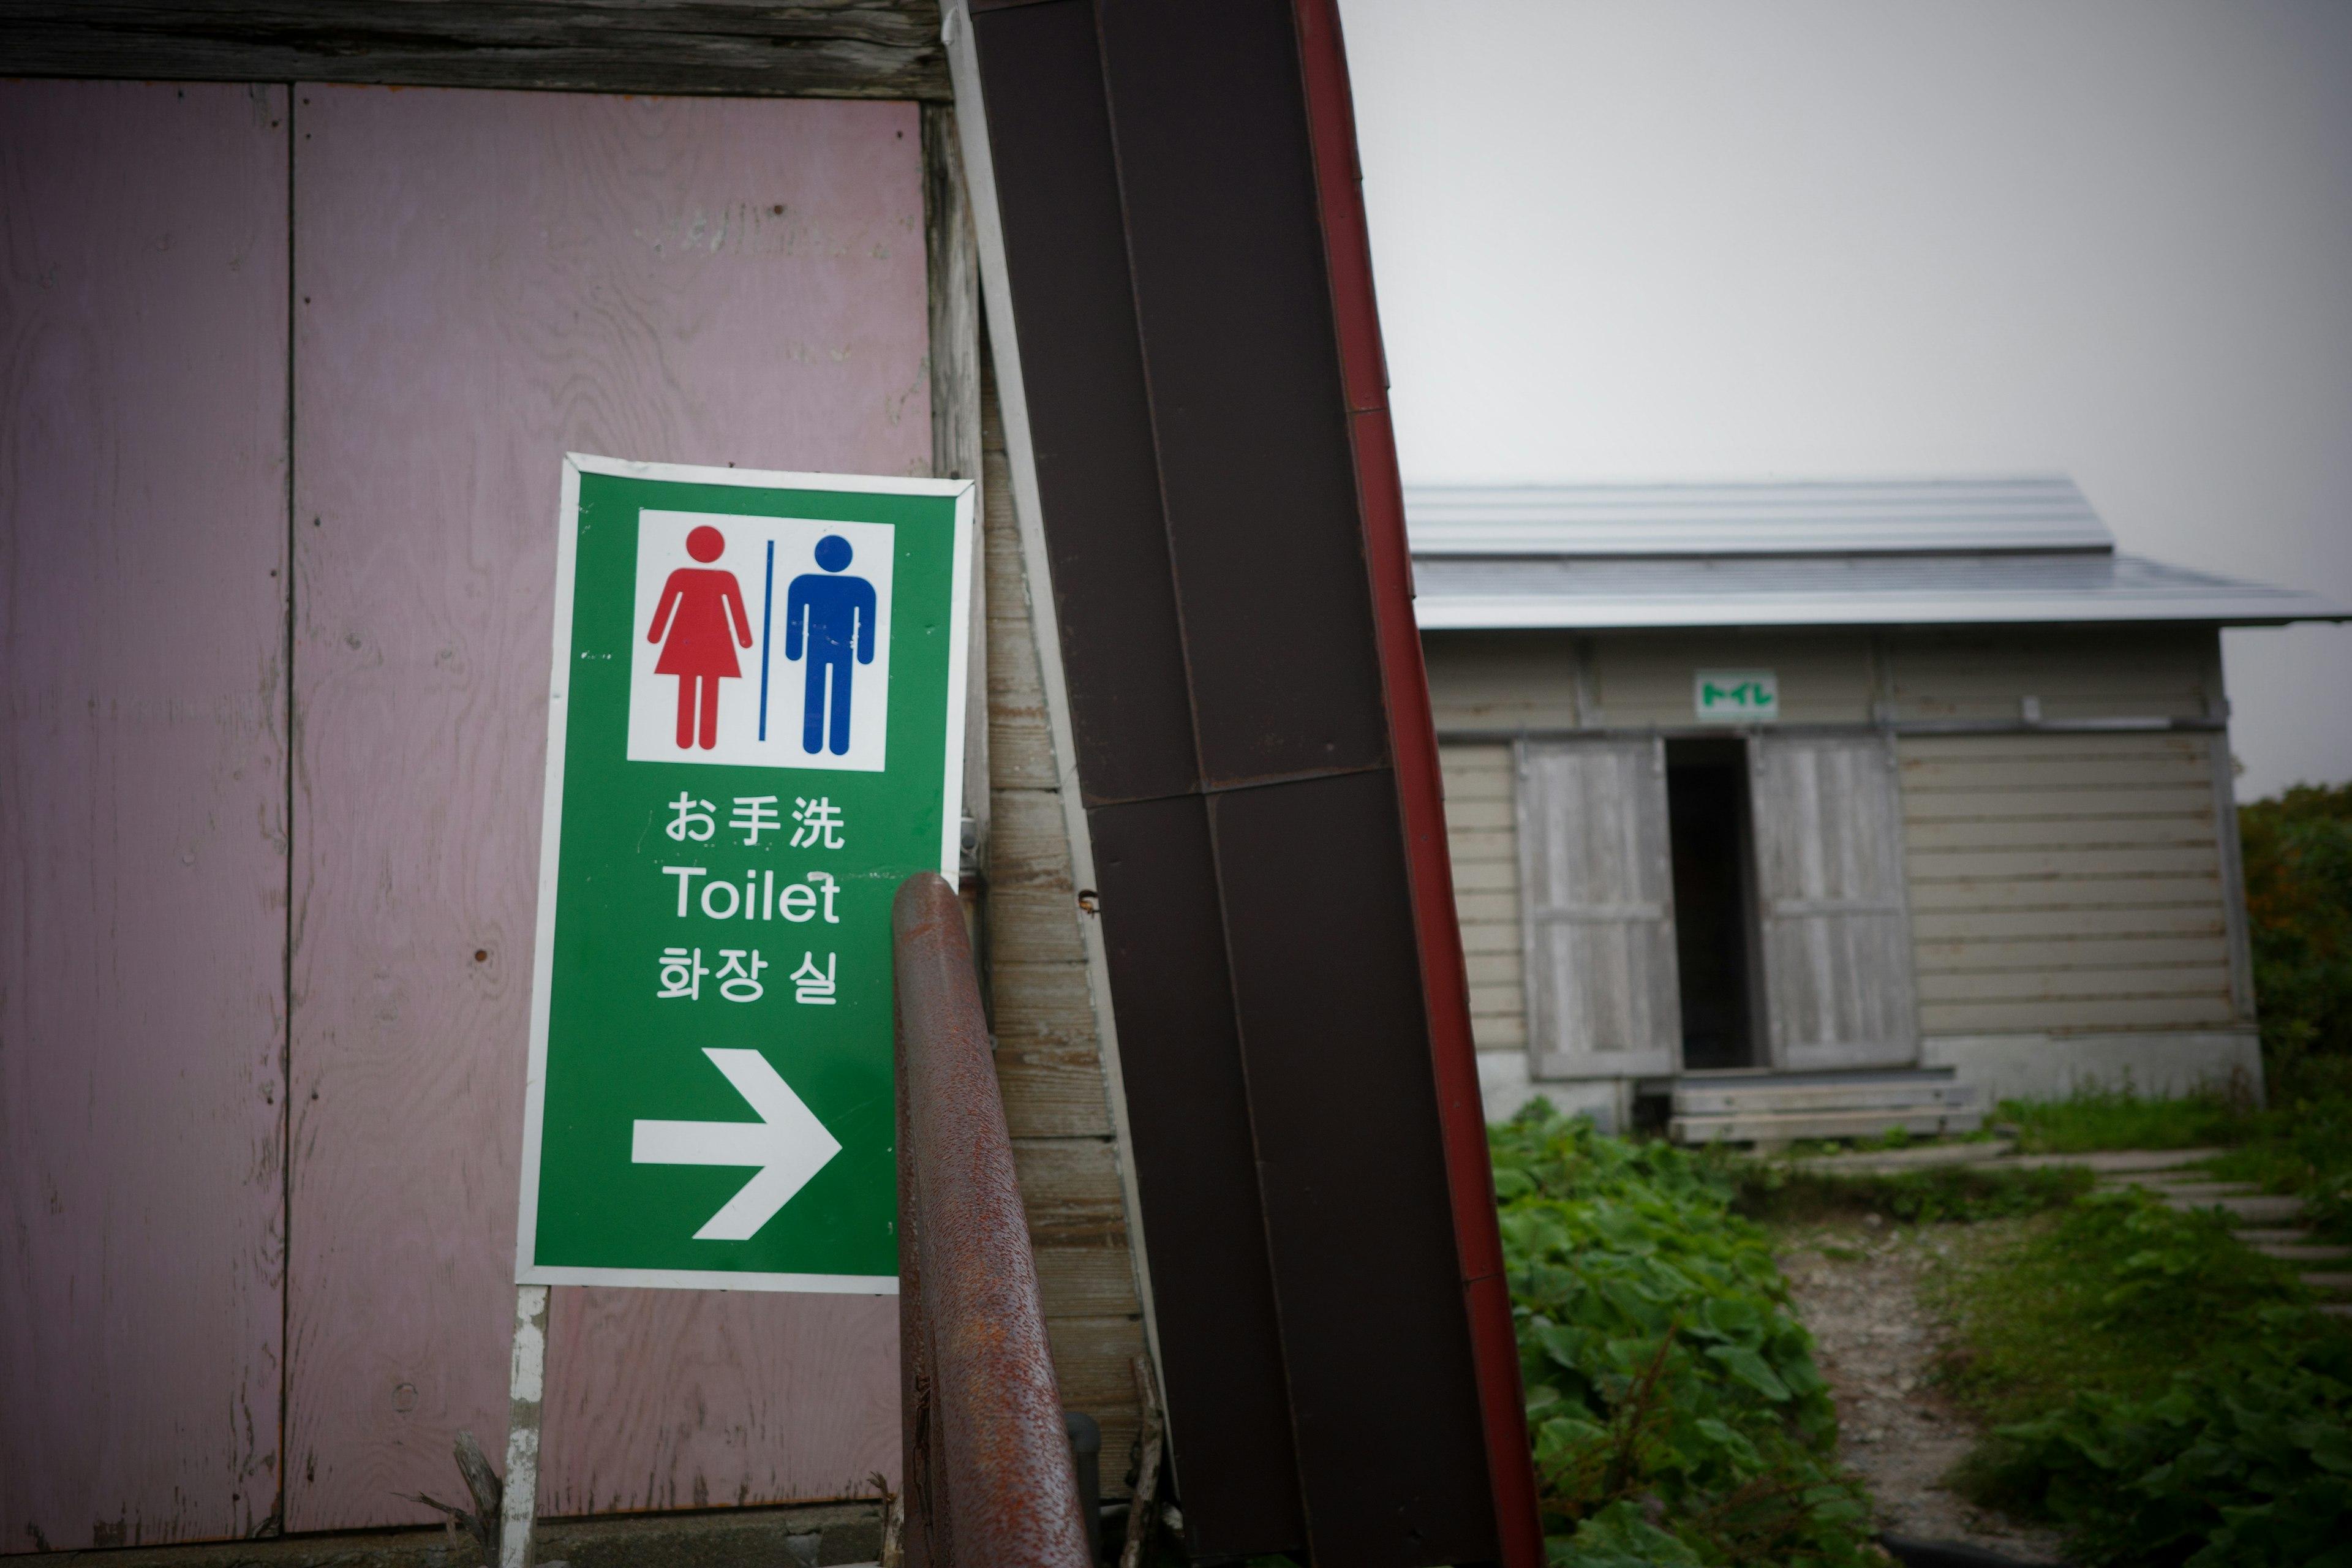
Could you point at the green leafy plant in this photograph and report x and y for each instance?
(1677, 1414)
(2099, 1117)
(2170, 1395)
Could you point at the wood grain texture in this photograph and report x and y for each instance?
(142, 810)
(2069, 881)
(485, 281)
(1597, 902)
(854, 49)
(1839, 987)
(1482, 838)
(1048, 1041)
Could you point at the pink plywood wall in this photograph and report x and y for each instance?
(143, 809)
(483, 281)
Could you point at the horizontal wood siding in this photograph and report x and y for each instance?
(2076, 673)
(2066, 883)
(1048, 1050)
(1501, 680)
(1482, 834)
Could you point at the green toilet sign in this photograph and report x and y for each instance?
(1735, 696)
(755, 733)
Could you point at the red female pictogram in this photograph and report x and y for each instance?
(699, 651)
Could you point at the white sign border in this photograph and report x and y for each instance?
(551, 834)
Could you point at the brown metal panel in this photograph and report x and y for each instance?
(1163, 245)
(1327, 984)
(1089, 411)
(1236, 312)
(1189, 1116)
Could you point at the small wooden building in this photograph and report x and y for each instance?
(1813, 809)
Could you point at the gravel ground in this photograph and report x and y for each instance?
(1856, 1289)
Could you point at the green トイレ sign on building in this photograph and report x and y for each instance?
(755, 733)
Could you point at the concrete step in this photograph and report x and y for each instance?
(1725, 1098)
(2291, 1235)
(2328, 1281)
(1883, 1161)
(2259, 1208)
(2109, 1160)
(2198, 1192)
(2336, 1308)
(1781, 1126)
(2300, 1251)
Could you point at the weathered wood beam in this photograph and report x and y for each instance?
(814, 49)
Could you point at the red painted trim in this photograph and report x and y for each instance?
(1346, 244)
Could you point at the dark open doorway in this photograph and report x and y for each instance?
(1706, 824)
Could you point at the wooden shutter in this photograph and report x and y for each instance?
(1838, 985)
(1596, 890)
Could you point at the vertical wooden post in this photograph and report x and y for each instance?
(526, 1396)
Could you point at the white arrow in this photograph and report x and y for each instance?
(788, 1143)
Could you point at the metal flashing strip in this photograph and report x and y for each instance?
(1939, 589)
(1469, 735)
(2032, 512)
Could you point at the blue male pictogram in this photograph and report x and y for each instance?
(828, 619)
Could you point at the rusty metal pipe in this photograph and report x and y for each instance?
(989, 1480)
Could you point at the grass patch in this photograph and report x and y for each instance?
(1677, 1415)
(1778, 1193)
(2162, 1391)
(2096, 1118)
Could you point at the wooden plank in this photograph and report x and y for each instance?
(864, 48)
(2080, 1016)
(2122, 922)
(1929, 893)
(1042, 1004)
(1785, 1125)
(683, 1399)
(1499, 1031)
(1838, 985)
(1501, 680)
(1783, 1096)
(951, 268)
(1087, 1281)
(1479, 937)
(1052, 1093)
(1472, 814)
(1485, 877)
(2141, 983)
(1600, 984)
(2044, 834)
(1495, 908)
(2073, 862)
(485, 282)
(1494, 968)
(2113, 670)
(2049, 954)
(1500, 846)
(142, 810)
(2088, 803)
(1070, 1190)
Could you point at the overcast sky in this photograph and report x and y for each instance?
(1709, 238)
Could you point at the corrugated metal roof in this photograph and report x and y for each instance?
(1820, 552)
(1862, 590)
(1821, 516)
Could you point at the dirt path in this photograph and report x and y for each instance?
(1856, 1289)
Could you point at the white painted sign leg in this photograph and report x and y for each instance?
(525, 1393)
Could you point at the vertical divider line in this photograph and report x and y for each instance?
(767, 621)
(285, 1051)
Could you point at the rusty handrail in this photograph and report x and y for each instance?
(988, 1477)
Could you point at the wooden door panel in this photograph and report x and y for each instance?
(1838, 985)
(142, 810)
(1597, 891)
(484, 281)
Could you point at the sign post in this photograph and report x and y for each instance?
(755, 733)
